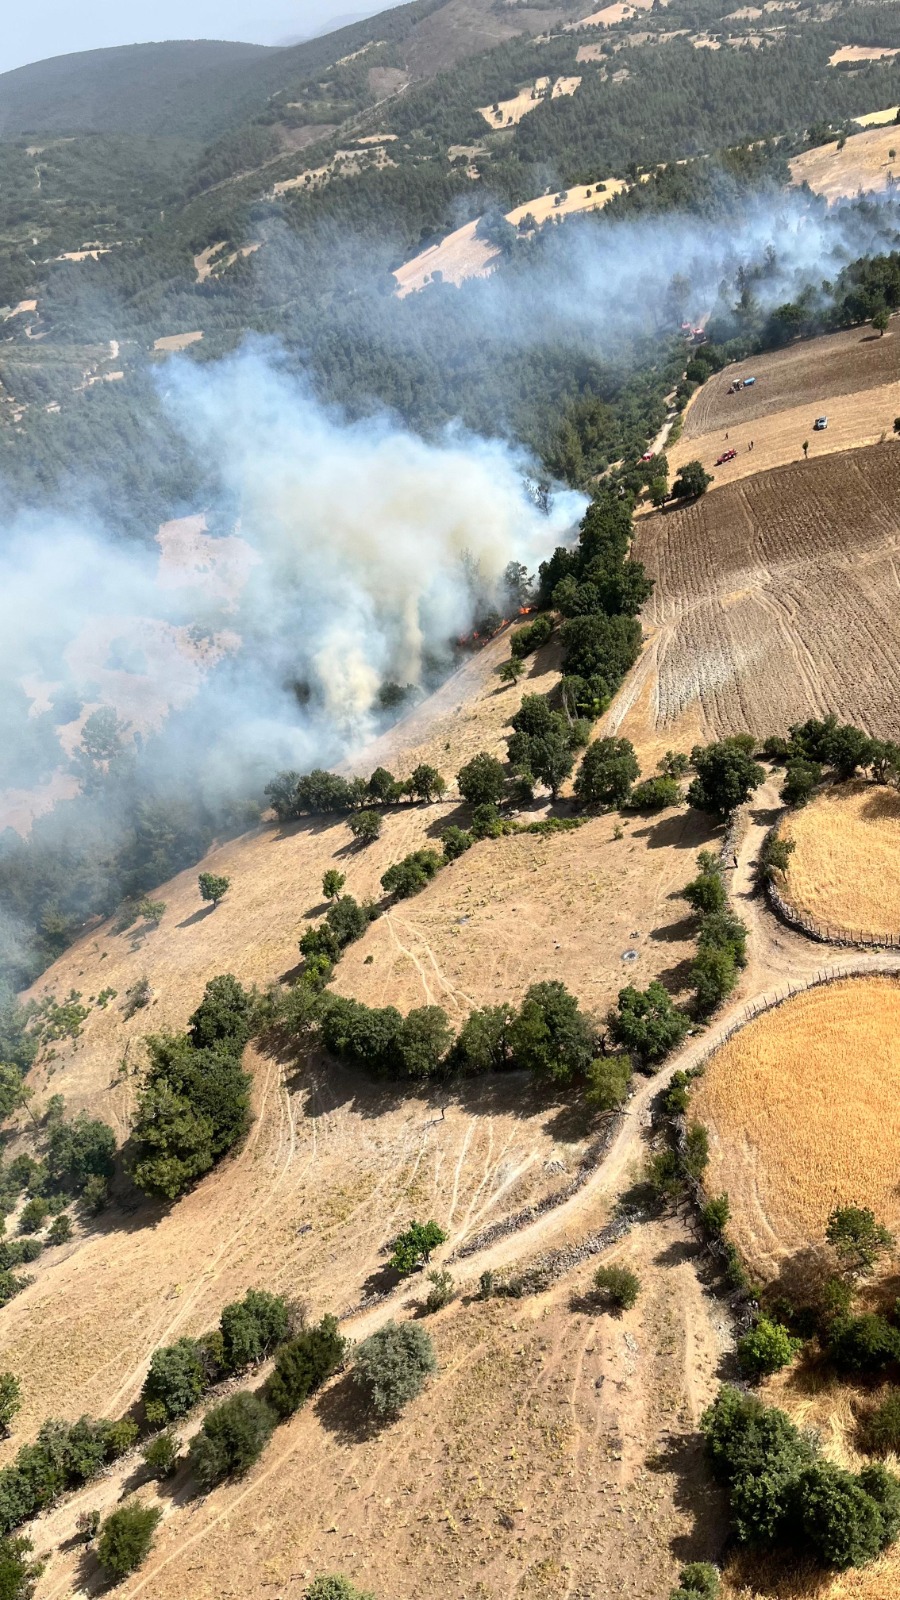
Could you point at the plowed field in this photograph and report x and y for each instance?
(776, 599)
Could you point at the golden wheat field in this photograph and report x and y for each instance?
(803, 1111)
(844, 870)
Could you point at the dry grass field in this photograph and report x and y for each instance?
(803, 1109)
(853, 378)
(775, 599)
(863, 164)
(844, 870)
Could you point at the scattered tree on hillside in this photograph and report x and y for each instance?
(646, 1023)
(233, 1436)
(509, 672)
(332, 883)
(880, 321)
(412, 1248)
(425, 783)
(607, 773)
(303, 1364)
(766, 1349)
(608, 1080)
(482, 781)
(125, 1539)
(213, 887)
(366, 826)
(801, 779)
(858, 1237)
(693, 480)
(726, 777)
(412, 874)
(550, 1036)
(392, 1366)
(617, 1287)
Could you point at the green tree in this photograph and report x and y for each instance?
(151, 910)
(79, 1150)
(60, 1231)
(775, 856)
(233, 1436)
(482, 781)
(726, 777)
(392, 1366)
(880, 321)
(550, 1036)
(658, 490)
(865, 1344)
(509, 672)
(422, 1041)
(441, 1292)
(213, 887)
(161, 1454)
(425, 783)
(766, 1349)
(10, 1400)
(332, 883)
(456, 842)
(841, 1521)
(482, 1044)
(34, 1215)
(706, 892)
(412, 1248)
(608, 1080)
(654, 794)
(125, 1539)
(366, 826)
(18, 1574)
(713, 977)
(303, 1364)
(607, 773)
(176, 1379)
(550, 760)
(858, 1237)
(617, 1286)
(699, 1580)
(693, 480)
(801, 779)
(646, 1022)
(252, 1327)
(412, 874)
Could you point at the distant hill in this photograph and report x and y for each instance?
(157, 89)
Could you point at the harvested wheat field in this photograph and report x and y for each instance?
(523, 1469)
(775, 600)
(863, 164)
(803, 1110)
(844, 874)
(852, 378)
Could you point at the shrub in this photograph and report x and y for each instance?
(758, 1454)
(233, 1437)
(348, 920)
(34, 1215)
(695, 1156)
(441, 1292)
(697, 1581)
(455, 841)
(251, 1328)
(801, 779)
(193, 1107)
(766, 1349)
(125, 1539)
(482, 781)
(80, 1150)
(223, 1017)
(392, 1366)
(482, 1044)
(857, 1237)
(608, 1081)
(422, 1042)
(331, 1586)
(175, 1379)
(654, 794)
(412, 874)
(713, 977)
(715, 1214)
(647, 1023)
(413, 1248)
(332, 883)
(303, 1364)
(487, 823)
(706, 892)
(617, 1286)
(882, 1428)
(841, 1521)
(161, 1454)
(532, 637)
(863, 1344)
(775, 856)
(10, 1400)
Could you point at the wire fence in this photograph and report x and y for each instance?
(823, 931)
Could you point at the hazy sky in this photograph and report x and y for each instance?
(55, 27)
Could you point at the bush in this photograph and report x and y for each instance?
(80, 1150)
(455, 841)
(801, 779)
(882, 1428)
(654, 794)
(697, 1581)
(303, 1364)
(161, 1454)
(608, 1081)
(422, 1042)
(176, 1378)
(331, 1586)
(706, 892)
(713, 977)
(125, 1539)
(224, 1016)
(616, 1286)
(392, 1366)
(60, 1230)
(647, 1023)
(193, 1107)
(441, 1292)
(858, 1237)
(34, 1215)
(482, 1044)
(18, 1575)
(766, 1349)
(532, 637)
(841, 1521)
(251, 1328)
(482, 781)
(413, 1248)
(487, 823)
(213, 887)
(758, 1454)
(348, 920)
(715, 1214)
(10, 1400)
(233, 1437)
(863, 1344)
(775, 856)
(412, 874)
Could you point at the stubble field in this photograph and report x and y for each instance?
(843, 873)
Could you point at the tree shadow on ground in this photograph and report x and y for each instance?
(680, 830)
(342, 1412)
(197, 916)
(675, 932)
(696, 1496)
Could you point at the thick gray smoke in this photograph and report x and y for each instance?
(362, 553)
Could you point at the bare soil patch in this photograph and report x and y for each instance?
(803, 1111)
(860, 52)
(844, 870)
(177, 341)
(775, 600)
